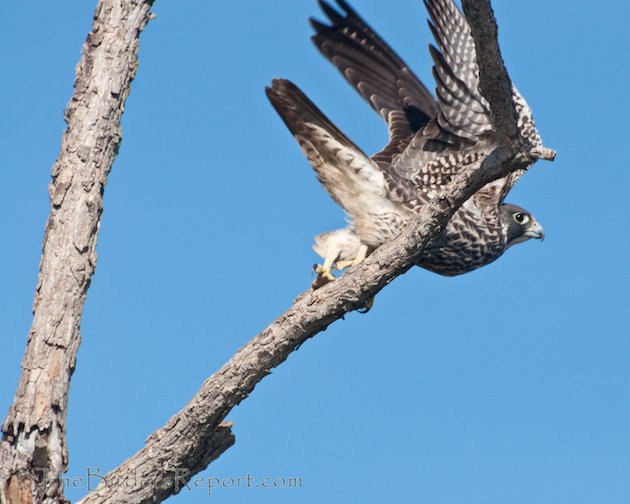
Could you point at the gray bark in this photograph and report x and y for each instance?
(33, 451)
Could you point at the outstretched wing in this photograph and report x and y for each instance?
(380, 76)
(463, 111)
(461, 132)
(430, 140)
(352, 179)
(421, 128)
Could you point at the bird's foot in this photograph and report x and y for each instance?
(324, 276)
(345, 264)
(361, 255)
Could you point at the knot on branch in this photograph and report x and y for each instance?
(542, 153)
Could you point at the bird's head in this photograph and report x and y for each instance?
(519, 225)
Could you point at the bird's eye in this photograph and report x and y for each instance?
(521, 218)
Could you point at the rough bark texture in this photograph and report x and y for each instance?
(33, 452)
(198, 434)
(494, 82)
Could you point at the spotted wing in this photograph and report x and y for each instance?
(463, 111)
(463, 126)
(456, 120)
(380, 76)
(460, 134)
(352, 179)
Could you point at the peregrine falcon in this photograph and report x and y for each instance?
(430, 139)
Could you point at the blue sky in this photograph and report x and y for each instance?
(506, 385)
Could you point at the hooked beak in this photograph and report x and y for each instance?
(535, 231)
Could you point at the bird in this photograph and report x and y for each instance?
(430, 140)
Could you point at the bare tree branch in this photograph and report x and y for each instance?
(494, 82)
(33, 451)
(198, 434)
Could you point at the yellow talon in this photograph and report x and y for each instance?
(343, 264)
(361, 255)
(324, 276)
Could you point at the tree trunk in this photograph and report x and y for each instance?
(33, 451)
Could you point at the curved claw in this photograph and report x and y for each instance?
(367, 306)
(324, 276)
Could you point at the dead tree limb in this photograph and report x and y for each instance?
(198, 434)
(495, 83)
(33, 451)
